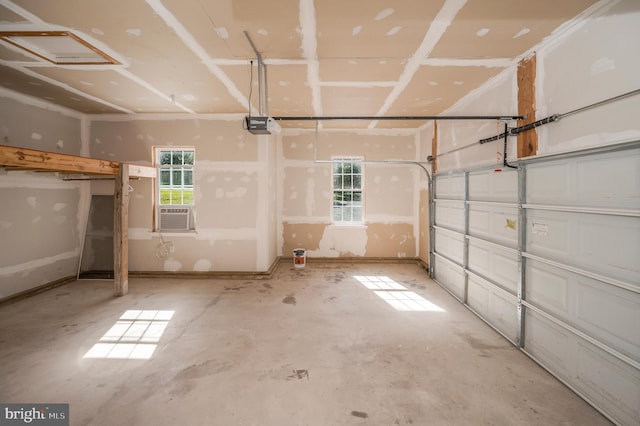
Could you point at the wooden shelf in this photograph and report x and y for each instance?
(16, 158)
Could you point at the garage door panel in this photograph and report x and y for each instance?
(496, 224)
(608, 313)
(611, 180)
(496, 307)
(577, 265)
(591, 371)
(605, 378)
(548, 233)
(548, 343)
(547, 287)
(492, 186)
(611, 314)
(612, 243)
(606, 181)
(450, 244)
(450, 186)
(450, 276)
(607, 244)
(499, 264)
(548, 183)
(450, 214)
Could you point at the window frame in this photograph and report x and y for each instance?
(172, 168)
(348, 160)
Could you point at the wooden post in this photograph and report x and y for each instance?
(121, 233)
(527, 141)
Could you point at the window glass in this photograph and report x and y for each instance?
(347, 191)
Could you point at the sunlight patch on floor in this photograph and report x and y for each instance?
(133, 336)
(396, 294)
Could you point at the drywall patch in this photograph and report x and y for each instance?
(202, 265)
(36, 136)
(306, 235)
(356, 30)
(523, 31)
(395, 30)
(390, 240)
(59, 206)
(482, 32)
(384, 14)
(135, 32)
(97, 31)
(222, 33)
(602, 65)
(32, 202)
(342, 241)
(172, 265)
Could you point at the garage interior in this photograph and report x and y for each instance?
(462, 177)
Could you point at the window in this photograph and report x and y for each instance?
(347, 190)
(175, 188)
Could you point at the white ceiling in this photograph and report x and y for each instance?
(324, 57)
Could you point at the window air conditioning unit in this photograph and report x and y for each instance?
(175, 218)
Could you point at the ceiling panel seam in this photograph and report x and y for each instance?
(37, 102)
(442, 21)
(129, 75)
(66, 87)
(189, 40)
(307, 18)
(24, 13)
(549, 42)
(454, 62)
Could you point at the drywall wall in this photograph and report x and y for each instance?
(592, 63)
(587, 61)
(498, 97)
(41, 220)
(234, 182)
(390, 227)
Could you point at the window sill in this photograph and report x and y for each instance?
(173, 233)
(349, 225)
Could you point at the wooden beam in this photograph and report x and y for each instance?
(33, 159)
(121, 233)
(142, 171)
(527, 141)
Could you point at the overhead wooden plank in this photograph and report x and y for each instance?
(121, 233)
(527, 141)
(142, 171)
(33, 159)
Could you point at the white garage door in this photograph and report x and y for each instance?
(549, 255)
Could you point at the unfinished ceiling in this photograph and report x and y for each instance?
(328, 57)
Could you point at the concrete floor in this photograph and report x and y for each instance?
(311, 346)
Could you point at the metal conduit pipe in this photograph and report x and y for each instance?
(430, 195)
